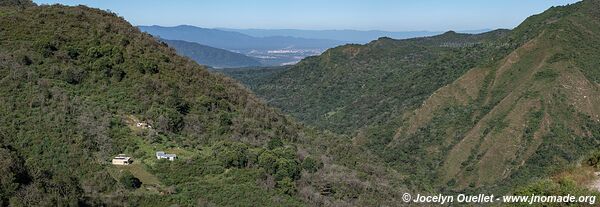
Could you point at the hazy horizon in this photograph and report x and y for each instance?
(378, 15)
(317, 30)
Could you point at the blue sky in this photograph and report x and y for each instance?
(391, 15)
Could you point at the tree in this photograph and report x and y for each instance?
(274, 143)
(286, 169)
(285, 152)
(167, 119)
(267, 161)
(129, 181)
(231, 154)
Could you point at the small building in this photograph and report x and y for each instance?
(121, 159)
(162, 155)
(143, 125)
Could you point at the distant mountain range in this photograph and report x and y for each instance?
(269, 47)
(348, 36)
(235, 40)
(210, 56)
(269, 51)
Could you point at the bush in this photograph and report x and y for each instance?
(25, 60)
(546, 74)
(46, 47)
(594, 159)
(74, 76)
(311, 165)
(13, 173)
(73, 52)
(148, 66)
(286, 186)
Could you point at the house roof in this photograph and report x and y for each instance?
(121, 158)
(162, 154)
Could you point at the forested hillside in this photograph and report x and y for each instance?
(459, 113)
(532, 113)
(78, 86)
(349, 87)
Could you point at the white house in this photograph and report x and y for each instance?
(121, 159)
(162, 155)
(143, 125)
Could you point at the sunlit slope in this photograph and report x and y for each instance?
(526, 115)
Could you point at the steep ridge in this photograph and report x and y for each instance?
(530, 114)
(72, 75)
(210, 56)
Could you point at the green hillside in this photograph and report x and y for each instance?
(455, 112)
(349, 87)
(74, 84)
(73, 75)
(528, 115)
(210, 56)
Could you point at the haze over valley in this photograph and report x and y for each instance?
(275, 47)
